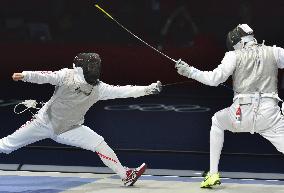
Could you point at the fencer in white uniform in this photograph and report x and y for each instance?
(254, 69)
(62, 117)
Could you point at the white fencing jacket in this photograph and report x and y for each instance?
(73, 96)
(230, 64)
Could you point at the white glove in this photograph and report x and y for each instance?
(183, 68)
(154, 88)
(30, 103)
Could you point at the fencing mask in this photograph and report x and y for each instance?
(237, 38)
(91, 65)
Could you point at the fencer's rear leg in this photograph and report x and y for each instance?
(32, 131)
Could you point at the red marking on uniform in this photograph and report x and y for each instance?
(238, 112)
(106, 157)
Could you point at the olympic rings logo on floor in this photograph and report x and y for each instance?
(179, 108)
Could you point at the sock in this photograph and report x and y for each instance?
(216, 145)
(110, 159)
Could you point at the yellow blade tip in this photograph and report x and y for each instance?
(97, 6)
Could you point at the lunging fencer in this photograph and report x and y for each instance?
(62, 117)
(254, 69)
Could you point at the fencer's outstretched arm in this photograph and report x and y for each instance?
(111, 92)
(211, 78)
(42, 77)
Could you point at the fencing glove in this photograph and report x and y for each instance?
(154, 88)
(183, 68)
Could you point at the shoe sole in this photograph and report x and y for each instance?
(141, 171)
(218, 182)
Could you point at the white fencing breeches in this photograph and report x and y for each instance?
(269, 123)
(82, 137)
(86, 138)
(33, 131)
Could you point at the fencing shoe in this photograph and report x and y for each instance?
(134, 174)
(210, 180)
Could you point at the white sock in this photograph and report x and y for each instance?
(110, 159)
(216, 145)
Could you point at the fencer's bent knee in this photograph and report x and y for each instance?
(214, 120)
(215, 126)
(98, 147)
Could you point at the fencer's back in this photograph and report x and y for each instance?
(256, 70)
